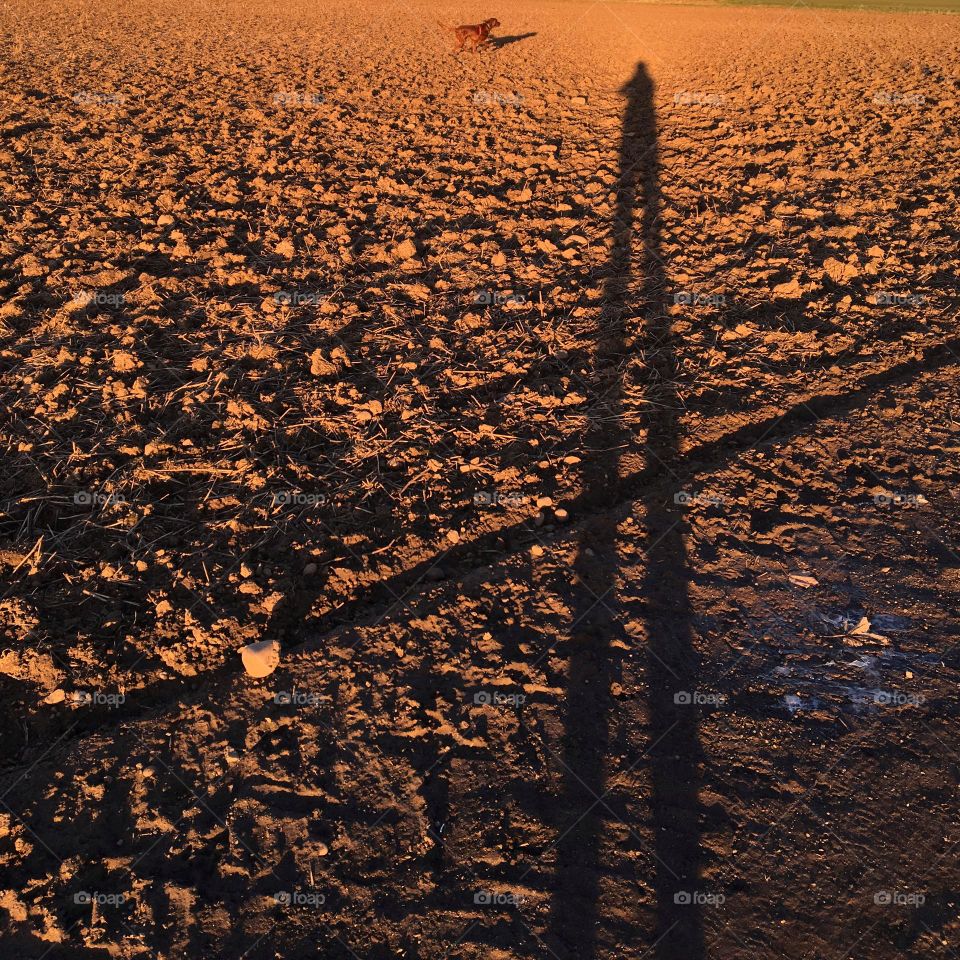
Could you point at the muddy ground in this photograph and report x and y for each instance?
(581, 417)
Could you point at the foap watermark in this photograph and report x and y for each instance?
(299, 898)
(296, 698)
(685, 498)
(493, 698)
(698, 98)
(894, 698)
(694, 298)
(100, 899)
(297, 98)
(298, 298)
(85, 498)
(686, 698)
(885, 298)
(900, 500)
(97, 698)
(491, 98)
(698, 898)
(489, 898)
(96, 98)
(493, 298)
(291, 498)
(494, 498)
(894, 98)
(899, 898)
(94, 298)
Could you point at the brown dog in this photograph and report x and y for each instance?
(476, 35)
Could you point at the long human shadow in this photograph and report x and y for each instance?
(635, 287)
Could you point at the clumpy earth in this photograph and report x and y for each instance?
(579, 418)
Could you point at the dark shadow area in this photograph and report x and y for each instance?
(634, 286)
(30, 947)
(497, 42)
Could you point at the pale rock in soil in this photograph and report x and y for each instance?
(260, 659)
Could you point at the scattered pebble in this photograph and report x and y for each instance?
(260, 659)
(405, 250)
(57, 696)
(536, 550)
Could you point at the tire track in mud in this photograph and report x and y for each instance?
(409, 587)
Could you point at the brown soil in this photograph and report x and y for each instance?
(580, 416)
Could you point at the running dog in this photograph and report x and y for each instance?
(475, 35)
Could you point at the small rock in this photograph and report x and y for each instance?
(232, 755)
(578, 100)
(57, 696)
(544, 501)
(536, 550)
(562, 515)
(310, 569)
(322, 850)
(260, 659)
(405, 250)
(453, 536)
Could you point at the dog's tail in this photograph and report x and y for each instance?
(446, 26)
